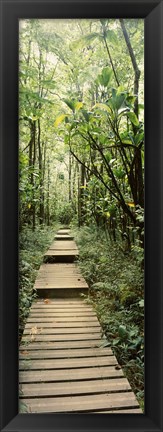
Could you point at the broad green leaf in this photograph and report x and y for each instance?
(70, 103)
(86, 115)
(120, 89)
(111, 36)
(60, 119)
(85, 40)
(138, 138)
(117, 100)
(102, 107)
(127, 141)
(119, 173)
(105, 76)
(131, 204)
(90, 37)
(133, 118)
(49, 84)
(78, 105)
(123, 333)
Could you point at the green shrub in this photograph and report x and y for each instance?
(32, 246)
(65, 214)
(116, 291)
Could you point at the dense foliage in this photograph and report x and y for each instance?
(81, 162)
(32, 247)
(117, 293)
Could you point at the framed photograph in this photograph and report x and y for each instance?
(44, 45)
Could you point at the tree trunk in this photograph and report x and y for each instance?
(69, 176)
(136, 173)
(47, 203)
(32, 159)
(41, 205)
(134, 64)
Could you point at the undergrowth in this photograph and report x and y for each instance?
(32, 246)
(116, 284)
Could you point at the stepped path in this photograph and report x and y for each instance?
(64, 367)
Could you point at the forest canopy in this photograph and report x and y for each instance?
(81, 121)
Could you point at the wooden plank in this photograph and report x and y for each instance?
(75, 387)
(59, 266)
(57, 252)
(69, 374)
(69, 281)
(73, 300)
(64, 325)
(67, 363)
(57, 319)
(33, 345)
(51, 277)
(54, 330)
(81, 403)
(60, 283)
(60, 306)
(56, 314)
(64, 353)
(66, 274)
(118, 411)
(61, 309)
(63, 231)
(70, 324)
(67, 337)
(59, 272)
(59, 301)
(63, 245)
(48, 304)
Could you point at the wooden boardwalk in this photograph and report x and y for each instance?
(64, 367)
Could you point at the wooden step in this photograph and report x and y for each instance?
(63, 231)
(60, 280)
(64, 353)
(63, 237)
(59, 268)
(64, 367)
(63, 245)
(58, 256)
(75, 388)
(67, 363)
(86, 403)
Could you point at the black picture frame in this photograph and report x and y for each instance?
(152, 12)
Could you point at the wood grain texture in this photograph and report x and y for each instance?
(75, 387)
(81, 403)
(54, 330)
(64, 365)
(63, 245)
(79, 374)
(63, 353)
(67, 363)
(47, 345)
